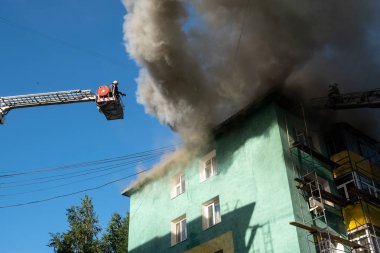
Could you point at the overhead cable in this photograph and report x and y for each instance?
(70, 194)
(86, 164)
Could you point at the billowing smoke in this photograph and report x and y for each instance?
(203, 60)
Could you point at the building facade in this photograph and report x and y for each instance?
(357, 178)
(265, 171)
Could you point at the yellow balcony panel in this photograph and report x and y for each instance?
(353, 216)
(359, 214)
(349, 161)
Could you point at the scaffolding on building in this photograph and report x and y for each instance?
(306, 161)
(362, 231)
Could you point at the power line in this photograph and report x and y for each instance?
(81, 173)
(84, 164)
(134, 158)
(62, 185)
(72, 193)
(144, 158)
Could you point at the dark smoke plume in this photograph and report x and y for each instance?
(203, 60)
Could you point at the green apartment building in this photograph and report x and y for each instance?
(265, 169)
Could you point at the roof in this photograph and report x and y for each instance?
(128, 191)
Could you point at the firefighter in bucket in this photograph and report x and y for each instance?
(109, 101)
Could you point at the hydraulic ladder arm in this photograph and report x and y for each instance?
(337, 101)
(110, 105)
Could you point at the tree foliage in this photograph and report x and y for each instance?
(115, 239)
(82, 235)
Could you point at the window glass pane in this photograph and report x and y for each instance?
(213, 163)
(208, 168)
(178, 185)
(210, 215)
(365, 187)
(184, 230)
(178, 190)
(217, 212)
(348, 187)
(342, 192)
(183, 183)
(365, 180)
(178, 232)
(344, 179)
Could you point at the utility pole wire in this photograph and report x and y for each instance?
(66, 184)
(64, 177)
(84, 164)
(72, 193)
(44, 179)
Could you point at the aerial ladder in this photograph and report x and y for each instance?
(107, 99)
(337, 101)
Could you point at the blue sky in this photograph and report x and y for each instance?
(51, 45)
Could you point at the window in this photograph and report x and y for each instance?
(366, 237)
(208, 166)
(368, 185)
(178, 230)
(345, 183)
(211, 213)
(323, 185)
(177, 185)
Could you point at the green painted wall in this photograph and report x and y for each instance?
(255, 186)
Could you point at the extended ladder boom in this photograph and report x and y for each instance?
(336, 101)
(50, 98)
(109, 104)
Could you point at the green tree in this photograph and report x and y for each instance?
(115, 239)
(83, 231)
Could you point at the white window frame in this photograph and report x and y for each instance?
(178, 185)
(216, 218)
(324, 185)
(178, 230)
(369, 238)
(211, 158)
(372, 189)
(344, 184)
